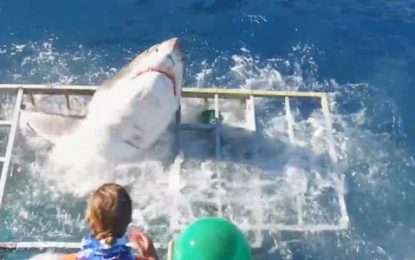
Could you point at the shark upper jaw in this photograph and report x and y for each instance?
(168, 75)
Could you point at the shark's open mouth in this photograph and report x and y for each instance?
(168, 75)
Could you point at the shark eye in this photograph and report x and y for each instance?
(157, 49)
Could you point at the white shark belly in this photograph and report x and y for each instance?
(121, 131)
(150, 118)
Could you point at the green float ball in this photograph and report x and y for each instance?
(211, 239)
(208, 117)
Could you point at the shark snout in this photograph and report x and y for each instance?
(174, 44)
(177, 44)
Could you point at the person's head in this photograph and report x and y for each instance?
(211, 239)
(109, 212)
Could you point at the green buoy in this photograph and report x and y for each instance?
(211, 239)
(208, 117)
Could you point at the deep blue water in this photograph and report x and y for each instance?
(363, 51)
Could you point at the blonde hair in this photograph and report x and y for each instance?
(109, 212)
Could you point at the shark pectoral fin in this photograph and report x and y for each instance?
(48, 126)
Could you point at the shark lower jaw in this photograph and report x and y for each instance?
(170, 76)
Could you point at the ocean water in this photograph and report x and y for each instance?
(361, 52)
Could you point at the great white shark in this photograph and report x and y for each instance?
(124, 117)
